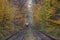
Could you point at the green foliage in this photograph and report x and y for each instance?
(7, 14)
(47, 13)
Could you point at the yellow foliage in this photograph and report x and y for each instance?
(57, 22)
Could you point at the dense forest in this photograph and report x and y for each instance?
(46, 16)
(11, 17)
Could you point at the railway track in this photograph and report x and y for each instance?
(16, 36)
(30, 35)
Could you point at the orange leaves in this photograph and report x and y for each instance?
(58, 21)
